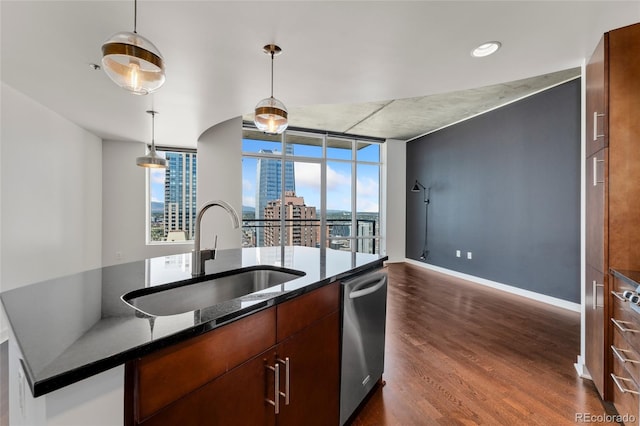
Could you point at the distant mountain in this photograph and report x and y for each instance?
(157, 207)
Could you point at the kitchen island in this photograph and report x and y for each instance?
(71, 336)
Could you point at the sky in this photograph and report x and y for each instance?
(307, 177)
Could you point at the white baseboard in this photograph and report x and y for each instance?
(581, 369)
(571, 306)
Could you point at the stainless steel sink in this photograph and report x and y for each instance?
(186, 296)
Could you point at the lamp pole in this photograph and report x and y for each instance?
(427, 194)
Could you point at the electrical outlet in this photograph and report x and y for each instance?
(457, 253)
(469, 255)
(118, 255)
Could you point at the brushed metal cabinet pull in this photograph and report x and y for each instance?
(618, 296)
(619, 385)
(621, 327)
(616, 352)
(595, 295)
(287, 369)
(276, 394)
(596, 135)
(595, 171)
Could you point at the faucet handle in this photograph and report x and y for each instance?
(215, 246)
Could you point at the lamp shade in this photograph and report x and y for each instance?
(417, 187)
(152, 160)
(271, 116)
(133, 63)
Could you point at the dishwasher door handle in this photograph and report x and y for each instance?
(378, 282)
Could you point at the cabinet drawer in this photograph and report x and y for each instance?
(625, 355)
(626, 402)
(621, 286)
(303, 311)
(627, 322)
(167, 375)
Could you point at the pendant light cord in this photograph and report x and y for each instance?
(272, 53)
(135, 16)
(153, 130)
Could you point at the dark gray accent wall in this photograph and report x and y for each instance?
(505, 186)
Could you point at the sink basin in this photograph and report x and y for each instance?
(186, 296)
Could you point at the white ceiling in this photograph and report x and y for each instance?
(351, 54)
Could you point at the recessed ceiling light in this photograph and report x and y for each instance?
(486, 49)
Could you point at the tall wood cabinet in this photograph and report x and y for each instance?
(612, 187)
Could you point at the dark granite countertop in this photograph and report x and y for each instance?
(631, 277)
(73, 327)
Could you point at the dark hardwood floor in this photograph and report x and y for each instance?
(462, 354)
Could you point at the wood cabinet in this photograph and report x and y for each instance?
(279, 366)
(625, 353)
(596, 222)
(596, 82)
(612, 138)
(595, 327)
(314, 377)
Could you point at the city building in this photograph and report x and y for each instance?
(180, 207)
(301, 223)
(268, 186)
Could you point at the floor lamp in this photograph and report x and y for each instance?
(416, 188)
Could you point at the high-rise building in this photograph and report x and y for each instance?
(180, 206)
(269, 185)
(302, 227)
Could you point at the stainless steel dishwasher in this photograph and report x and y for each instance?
(363, 333)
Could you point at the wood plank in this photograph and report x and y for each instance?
(459, 353)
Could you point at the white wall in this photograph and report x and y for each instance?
(98, 399)
(220, 178)
(51, 192)
(395, 155)
(124, 207)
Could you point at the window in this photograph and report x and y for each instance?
(310, 189)
(172, 198)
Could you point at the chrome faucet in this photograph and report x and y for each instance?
(198, 256)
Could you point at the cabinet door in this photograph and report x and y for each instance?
(595, 210)
(314, 377)
(595, 327)
(171, 373)
(238, 397)
(596, 86)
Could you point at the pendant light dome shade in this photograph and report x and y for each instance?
(133, 63)
(152, 159)
(271, 116)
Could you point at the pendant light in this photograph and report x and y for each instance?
(132, 61)
(152, 159)
(271, 114)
